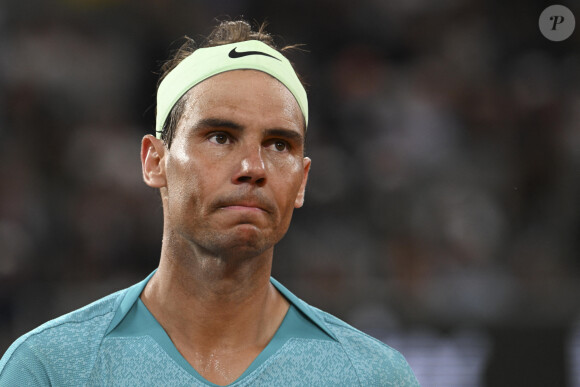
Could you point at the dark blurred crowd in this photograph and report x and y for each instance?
(443, 208)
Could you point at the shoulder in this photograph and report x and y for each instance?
(53, 349)
(374, 361)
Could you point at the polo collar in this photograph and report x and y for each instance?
(132, 294)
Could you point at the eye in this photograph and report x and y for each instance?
(219, 138)
(279, 145)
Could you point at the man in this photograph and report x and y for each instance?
(229, 162)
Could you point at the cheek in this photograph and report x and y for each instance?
(289, 181)
(183, 180)
(193, 182)
(185, 170)
(289, 166)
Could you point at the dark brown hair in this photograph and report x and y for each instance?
(225, 32)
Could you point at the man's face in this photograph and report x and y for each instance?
(235, 170)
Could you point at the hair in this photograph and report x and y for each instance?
(225, 32)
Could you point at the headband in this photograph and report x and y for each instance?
(207, 62)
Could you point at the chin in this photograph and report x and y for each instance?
(245, 241)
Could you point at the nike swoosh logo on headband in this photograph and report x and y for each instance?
(235, 54)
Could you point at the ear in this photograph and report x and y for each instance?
(300, 198)
(153, 161)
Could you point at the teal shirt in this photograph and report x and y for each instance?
(116, 342)
(140, 322)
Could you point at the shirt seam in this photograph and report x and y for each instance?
(352, 329)
(11, 359)
(25, 343)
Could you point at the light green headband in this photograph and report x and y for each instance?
(207, 62)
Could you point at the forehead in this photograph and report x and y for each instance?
(244, 94)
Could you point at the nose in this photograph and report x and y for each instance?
(251, 168)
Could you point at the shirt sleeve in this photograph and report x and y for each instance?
(20, 366)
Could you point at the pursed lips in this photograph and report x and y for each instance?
(253, 202)
(244, 207)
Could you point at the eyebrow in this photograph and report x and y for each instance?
(217, 123)
(288, 134)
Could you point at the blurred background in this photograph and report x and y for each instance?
(443, 209)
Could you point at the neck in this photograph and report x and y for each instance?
(194, 276)
(212, 306)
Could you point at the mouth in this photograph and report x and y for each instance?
(256, 203)
(243, 207)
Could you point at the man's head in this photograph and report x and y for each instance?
(232, 169)
(225, 34)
